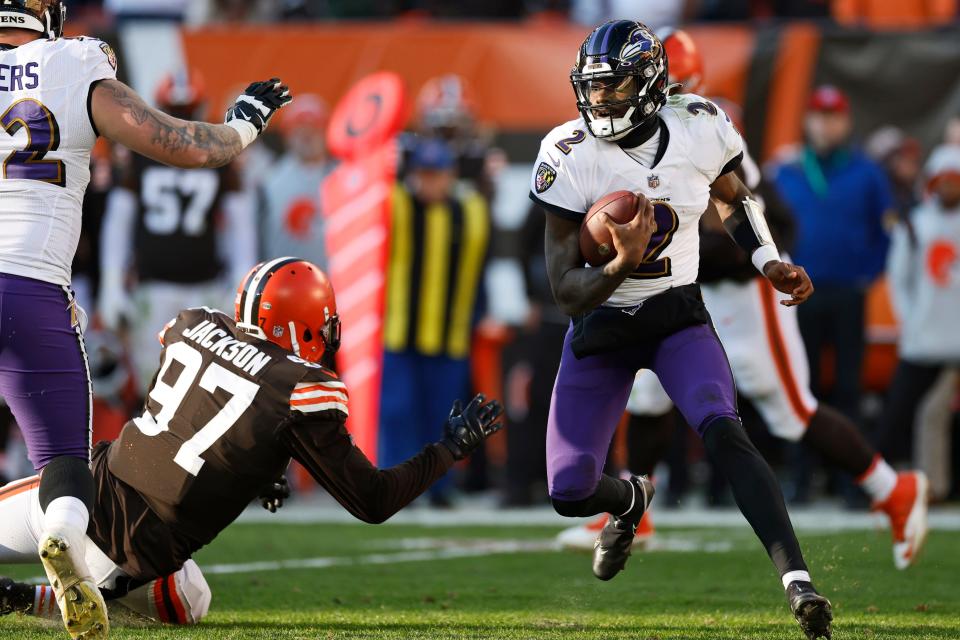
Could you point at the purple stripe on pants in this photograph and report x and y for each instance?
(590, 396)
(43, 371)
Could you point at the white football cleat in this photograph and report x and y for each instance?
(81, 604)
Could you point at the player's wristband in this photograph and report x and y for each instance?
(764, 254)
(248, 132)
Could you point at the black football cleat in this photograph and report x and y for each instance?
(812, 610)
(15, 597)
(613, 545)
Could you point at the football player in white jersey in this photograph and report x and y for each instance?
(643, 309)
(769, 363)
(56, 96)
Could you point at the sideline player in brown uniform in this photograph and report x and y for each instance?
(233, 401)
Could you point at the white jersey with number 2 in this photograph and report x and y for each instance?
(45, 144)
(697, 143)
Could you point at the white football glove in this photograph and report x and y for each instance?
(252, 111)
(115, 308)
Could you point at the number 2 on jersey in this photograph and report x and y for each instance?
(653, 266)
(170, 397)
(43, 136)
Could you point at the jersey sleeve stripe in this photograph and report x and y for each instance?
(299, 402)
(305, 387)
(321, 406)
(319, 393)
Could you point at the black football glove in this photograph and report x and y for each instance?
(274, 494)
(466, 429)
(259, 102)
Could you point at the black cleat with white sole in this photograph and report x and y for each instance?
(812, 610)
(613, 545)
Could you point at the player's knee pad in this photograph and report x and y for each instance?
(706, 403)
(193, 591)
(66, 476)
(573, 477)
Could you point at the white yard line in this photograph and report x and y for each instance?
(818, 518)
(444, 552)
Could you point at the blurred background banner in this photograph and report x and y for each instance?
(356, 198)
(519, 72)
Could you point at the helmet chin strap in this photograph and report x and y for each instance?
(605, 127)
(293, 338)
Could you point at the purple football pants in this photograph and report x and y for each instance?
(43, 369)
(590, 396)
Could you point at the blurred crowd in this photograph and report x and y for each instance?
(658, 13)
(875, 218)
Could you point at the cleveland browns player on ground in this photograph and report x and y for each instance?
(234, 400)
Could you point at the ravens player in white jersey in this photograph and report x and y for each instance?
(56, 96)
(763, 343)
(234, 399)
(643, 309)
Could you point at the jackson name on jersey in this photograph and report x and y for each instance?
(697, 144)
(46, 140)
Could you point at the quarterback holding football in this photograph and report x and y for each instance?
(642, 308)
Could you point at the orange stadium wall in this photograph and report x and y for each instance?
(518, 72)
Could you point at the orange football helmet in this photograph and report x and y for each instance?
(182, 93)
(291, 303)
(684, 62)
(445, 102)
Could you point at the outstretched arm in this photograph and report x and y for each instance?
(121, 115)
(743, 219)
(373, 495)
(578, 289)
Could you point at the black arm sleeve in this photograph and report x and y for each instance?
(373, 495)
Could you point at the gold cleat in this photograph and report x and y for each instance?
(81, 605)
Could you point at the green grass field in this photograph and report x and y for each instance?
(414, 582)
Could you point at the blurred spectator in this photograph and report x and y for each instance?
(902, 158)
(445, 110)
(656, 14)
(437, 255)
(840, 199)
(291, 223)
(158, 212)
(924, 276)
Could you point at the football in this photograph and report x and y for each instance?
(596, 244)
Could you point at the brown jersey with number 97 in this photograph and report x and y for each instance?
(225, 413)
